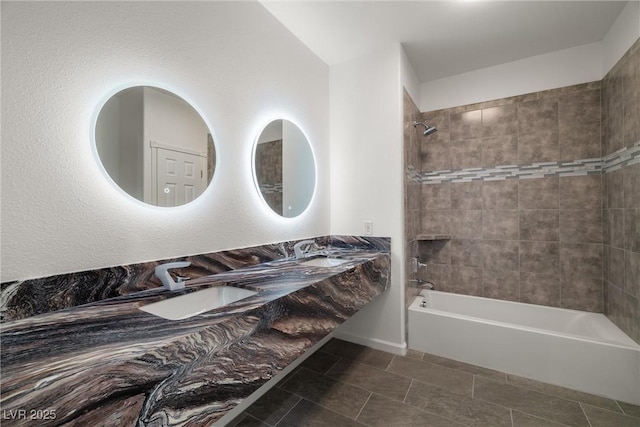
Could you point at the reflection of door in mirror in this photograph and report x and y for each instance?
(179, 177)
(139, 133)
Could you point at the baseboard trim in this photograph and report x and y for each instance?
(389, 347)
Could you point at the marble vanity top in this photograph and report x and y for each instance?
(110, 363)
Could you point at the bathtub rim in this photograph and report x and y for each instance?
(415, 306)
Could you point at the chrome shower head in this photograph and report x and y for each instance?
(428, 130)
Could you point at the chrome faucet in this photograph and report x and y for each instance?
(424, 284)
(162, 271)
(302, 246)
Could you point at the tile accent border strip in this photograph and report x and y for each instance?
(607, 164)
(271, 188)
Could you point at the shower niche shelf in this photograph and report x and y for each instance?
(433, 237)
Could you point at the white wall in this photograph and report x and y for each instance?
(552, 70)
(366, 179)
(567, 67)
(622, 34)
(169, 120)
(410, 80)
(231, 60)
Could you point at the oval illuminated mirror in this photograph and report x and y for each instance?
(284, 168)
(155, 146)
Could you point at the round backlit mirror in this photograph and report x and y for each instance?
(284, 168)
(155, 146)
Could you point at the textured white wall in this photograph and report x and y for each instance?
(367, 179)
(232, 60)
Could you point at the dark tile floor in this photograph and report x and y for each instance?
(345, 384)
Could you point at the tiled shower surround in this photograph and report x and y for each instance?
(540, 194)
(621, 124)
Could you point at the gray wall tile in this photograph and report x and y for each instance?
(501, 284)
(436, 155)
(632, 273)
(579, 108)
(631, 185)
(467, 252)
(614, 189)
(500, 254)
(500, 194)
(615, 271)
(538, 114)
(501, 120)
(436, 222)
(500, 150)
(467, 125)
(436, 196)
(500, 225)
(466, 153)
(582, 142)
(612, 132)
(541, 146)
(466, 224)
(581, 225)
(632, 229)
(581, 192)
(539, 224)
(538, 193)
(581, 259)
(540, 288)
(466, 195)
(466, 280)
(613, 233)
(539, 257)
(630, 123)
(439, 275)
(581, 293)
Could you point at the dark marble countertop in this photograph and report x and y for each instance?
(109, 363)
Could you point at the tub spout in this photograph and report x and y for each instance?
(425, 284)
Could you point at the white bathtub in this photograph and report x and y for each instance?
(574, 349)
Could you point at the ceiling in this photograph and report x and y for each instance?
(445, 38)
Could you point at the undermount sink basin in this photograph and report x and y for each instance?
(323, 262)
(195, 303)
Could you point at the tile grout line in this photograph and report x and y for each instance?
(556, 396)
(407, 393)
(585, 413)
(287, 413)
(333, 366)
(473, 385)
(569, 399)
(363, 406)
(390, 363)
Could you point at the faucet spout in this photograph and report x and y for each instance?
(301, 247)
(162, 271)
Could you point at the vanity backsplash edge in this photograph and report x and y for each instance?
(26, 298)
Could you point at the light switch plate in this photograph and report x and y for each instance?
(368, 228)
